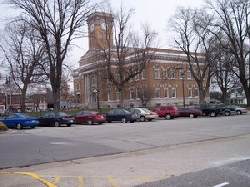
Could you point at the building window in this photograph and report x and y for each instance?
(132, 94)
(172, 93)
(109, 94)
(166, 92)
(164, 74)
(181, 74)
(118, 96)
(137, 77)
(171, 73)
(137, 93)
(143, 74)
(157, 92)
(189, 92)
(189, 75)
(157, 73)
(195, 92)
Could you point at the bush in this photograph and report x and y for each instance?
(3, 127)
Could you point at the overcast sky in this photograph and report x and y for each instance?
(154, 12)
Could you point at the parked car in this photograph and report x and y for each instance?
(168, 112)
(120, 114)
(19, 121)
(89, 118)
(56, 119)
(211, 110)
(189, 112)
(144, 114)
(239, 110)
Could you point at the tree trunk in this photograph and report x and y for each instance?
(56, 97)
(224, 95)
(247, 93)
(202, 95)
(23, 99)
(121, 100)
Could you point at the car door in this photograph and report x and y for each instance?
(11, 120)
(48, 119)
(111, 115)
(117, 115)
(80, 117)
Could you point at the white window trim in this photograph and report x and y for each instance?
(170, 96)
(158, 89)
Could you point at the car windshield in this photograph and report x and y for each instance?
(62, 114)
(126, 111)
(21, 115)
(146, 110)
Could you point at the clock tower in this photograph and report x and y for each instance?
(100, 28)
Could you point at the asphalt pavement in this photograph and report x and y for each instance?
(50, 144)
(230, 175)
(182, 152)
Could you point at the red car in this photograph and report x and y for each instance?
(88, 117)
(189, 112)
(168, 112)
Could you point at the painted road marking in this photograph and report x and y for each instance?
(81, 181)
(60, 143)
(222, 184)
(57, 180)
(112, 181)
(33, 175)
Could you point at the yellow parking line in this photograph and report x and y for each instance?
(57, 180)
(112, 181)
(81, 181)
(144, 179)
(34, 176)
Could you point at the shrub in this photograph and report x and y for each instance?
(3, 127)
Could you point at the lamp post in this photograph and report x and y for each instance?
(182, 76)
(96, 92)
(183, 88)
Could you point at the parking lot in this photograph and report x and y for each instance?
(50, 144)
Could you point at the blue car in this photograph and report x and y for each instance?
(19, 121)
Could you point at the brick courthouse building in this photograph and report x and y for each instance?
(166, 78)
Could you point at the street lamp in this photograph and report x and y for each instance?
(96, 93)
(182, 76)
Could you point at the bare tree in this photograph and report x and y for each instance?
(58, 22)
(223, 75)
(232, 19)
(145, 94)
(194, 39)
(25, 55)
(129, 54)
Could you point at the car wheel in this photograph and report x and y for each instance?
(191, 115)
(124, 120)
(19, 126)
(168, 117)
(227, 113)
(57, 124)
(150, 119)
(212, 114)
(69, 125)
(142, 118)
(238, 112)
(109, 121)
(89, 122)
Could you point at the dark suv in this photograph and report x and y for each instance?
(168, 112)
(211, 110)
(120, 114)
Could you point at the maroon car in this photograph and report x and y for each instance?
(88, 117)
(168, 112)
(189, 112)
